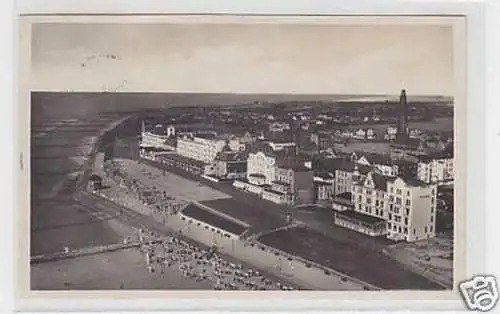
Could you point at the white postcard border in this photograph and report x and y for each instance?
(475, 199)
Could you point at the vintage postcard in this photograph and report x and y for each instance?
(172, 155)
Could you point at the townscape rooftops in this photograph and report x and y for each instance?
(378, 159)
(267, 150)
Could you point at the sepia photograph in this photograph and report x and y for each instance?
(242, 156)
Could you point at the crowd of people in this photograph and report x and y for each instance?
(192, 261)
(201, 264)
(161, 204)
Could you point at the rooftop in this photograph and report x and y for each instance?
(152, 149)
(359, 216)
(231, 156)
(207, 136)
(172, 141)
(332, 164)
(378, 159)
(295, 163)
(413, 182)
(380, 181)
(213, 219)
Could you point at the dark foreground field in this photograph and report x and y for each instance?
(347, 258)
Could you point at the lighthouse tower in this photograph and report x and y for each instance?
(403, 116)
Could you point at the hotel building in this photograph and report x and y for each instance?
(201, 147)
(401, 209)
(437, 170)
(261, 167)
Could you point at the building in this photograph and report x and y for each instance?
(261, 167)
(342, 202)
(342, 169)
(324, 186)
(158, 137)
(408, 207)
(437, 169)
(389, 165)
(280, 145)
(360, 134)
(353, 220)
(185, 163)
(228, 165)
(386, 165)
(280, 177)
(151, 153)
(322, 140)
(371, 135)
(369, 195)
(412, 210)
(237, 145)
(415, 133)
(201, 147)
(278, 127)
(292, 174)
(390, 134)
(292, 185)
(347, 134)
(344, 173)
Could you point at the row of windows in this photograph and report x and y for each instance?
(398, 228)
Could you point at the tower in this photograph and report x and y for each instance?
(403, 115)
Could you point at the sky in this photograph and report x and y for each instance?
(243, 58)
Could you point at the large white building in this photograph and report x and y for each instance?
(436, 170)
(412, 210)
(158, 137)
(261, 168)
(200, 147)
(403, 210)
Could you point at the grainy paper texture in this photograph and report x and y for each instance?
(74, 68)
